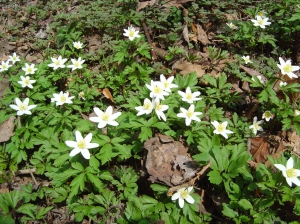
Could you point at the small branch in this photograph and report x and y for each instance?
(22, 172)
(154, 57)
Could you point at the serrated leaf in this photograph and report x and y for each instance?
(95, 180)
(215, 177)
(105, 153)
(228, 211)
(77, 183)
(159, 188)
(28, 209)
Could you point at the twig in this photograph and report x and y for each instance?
(191, 182)
(21, 172)
(154, 57)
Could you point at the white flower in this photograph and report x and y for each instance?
(259, 78)
(189, 114)
(104, 118)
(267, 115)
(282, 83)
(131, 33)
(82, 145)
(81, 95)
(287, 68)
(4, 66)
(62, 98)
(14, 58)
(25, 81)
(247, 59)
(58, 62)
(289, 172)
(167, 83)
(262, 14)
(76, 64)
(183, 194)
(77, 45)
(22, 107)
(157, 90)
(29, 69)
(221, 128)
(231, 26)
(296, 112)
(146, 108)
(255, 126)
(188, 96)
(159, 108)
(262, 22)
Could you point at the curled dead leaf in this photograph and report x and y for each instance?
(108, 95)
(7, 128)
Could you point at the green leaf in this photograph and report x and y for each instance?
(7, 219)
(28, 209)
(95, 180)
(42, 212)
(159, 188)
(228, 211)
(105, 153)
(78, 166)
(215, 177)
(145, 134)
(77, 183)
(244, 203)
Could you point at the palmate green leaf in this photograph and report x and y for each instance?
(77, 166)
(28, 209)
(105, 154)
(215, 177)
(7, 219)
(105, 175)
(228, 211)
(61, 160)
(42, 212)
(77, 184)
(145, 134)
(123, 151)
(95, 180)
(159, 188)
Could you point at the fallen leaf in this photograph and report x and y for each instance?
(7, 128)
(253, 72)
(201, 35)
(142, 5)
(259, 148)
(185, 33)
(186, 67)
(108, 95)
(168, 161)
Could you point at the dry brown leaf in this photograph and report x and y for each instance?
(185, 33)
(107, 94)
(142, 5)
(7, 128)
(201, 35)
(259, 148)
(294, 142)
(186, 67)
(253, 72)
(194, 28)
(168, 161)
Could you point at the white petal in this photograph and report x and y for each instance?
(74, 152)
(296, 181)
(113, 123)
(181, 202)
(88, 138)
(290, 163)
(289, 181)
(78, 136)
(98, 111)
(190, 199)
(109, 110)
(102, 124)
(85, 153)
(15, 107)
(92, 145)
(175, 196)
(72, 144)
(280, 167)
(95, 119)
(115, 116)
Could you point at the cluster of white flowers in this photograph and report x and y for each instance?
(267, 115)
(261, 20)
(158, 91)
(5, 65)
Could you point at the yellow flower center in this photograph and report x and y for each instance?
(147, 106)
(157, 89)
(105, 117)
(256, 126)
(189, 96)
(287, 68)
(14, 58)
(63, 98)
(260, 22)
(23, 107)
(261, 14)
(81, 144)
(291, 173)
(29, 70)
(57, 62)
(189, 113)
(184, 194)
(166, 85)
(131, 33)
(76, 64)
(26, 81)
(158, 107)
(4, 66)
(268, 115)
(220, 128)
